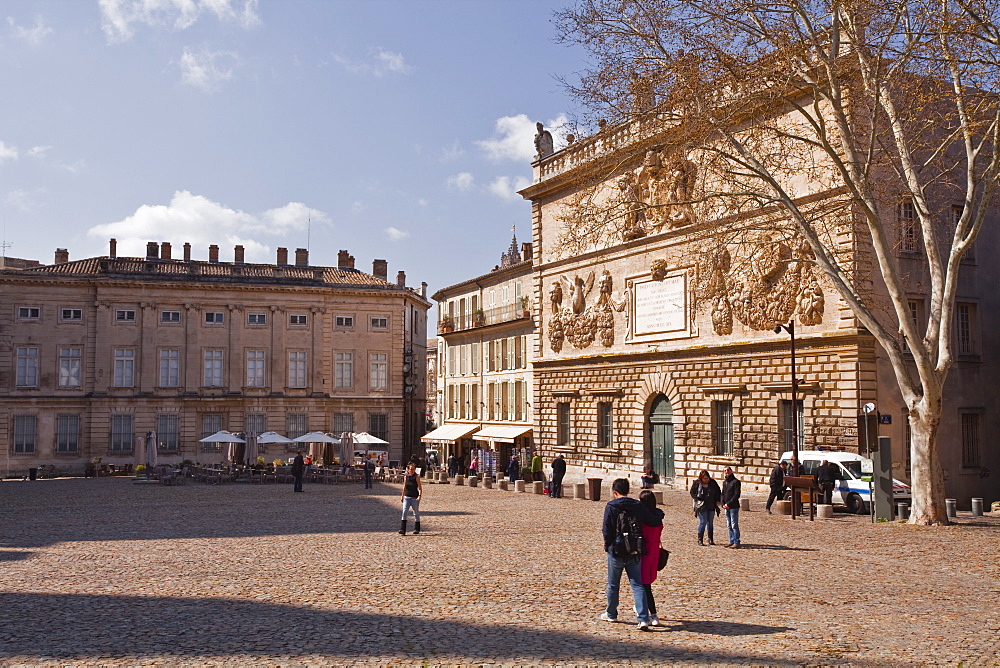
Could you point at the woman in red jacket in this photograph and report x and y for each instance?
(651, 560)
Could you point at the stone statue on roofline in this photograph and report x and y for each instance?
(543, 142)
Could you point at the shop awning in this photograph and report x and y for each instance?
(449, 432)
(504, 433)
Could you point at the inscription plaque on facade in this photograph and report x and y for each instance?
(661, 306)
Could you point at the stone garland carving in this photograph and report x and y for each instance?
(774, 284)
(572, 319)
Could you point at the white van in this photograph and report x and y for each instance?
(851, 490)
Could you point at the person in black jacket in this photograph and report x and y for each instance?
(631, 565)
(558, 473)
(826, 478)
(298, 470)
(731, 504)
(706, 494)
(776, 483)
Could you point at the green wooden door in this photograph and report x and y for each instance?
(661, 437)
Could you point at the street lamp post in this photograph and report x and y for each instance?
(790, 328)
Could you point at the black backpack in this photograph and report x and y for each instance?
(628, 535)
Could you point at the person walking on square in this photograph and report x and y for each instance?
(651, 560)
(474, 467)
(558, 473)
(826, 478)
(731, 504)
(777, 484)
(514, 469)
(706, 494)
(630, 564)
(536, 468)
(412, 490)
(298, 470)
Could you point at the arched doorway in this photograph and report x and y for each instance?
(661, 437)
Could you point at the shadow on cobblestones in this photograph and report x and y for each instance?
(719, 628)
(13, 556)
(758, 546)
(116, 627)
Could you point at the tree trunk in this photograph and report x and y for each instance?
(927, 479)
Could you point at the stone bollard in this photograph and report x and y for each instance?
(995, 507)
(824, 511)
(745, 504)
(783, 507)
(460, 480)
(518, 485)
(580, 490)
(473, 481)
(951, 507)
(538, 487)
(502, 484)
(902, 511)
(658, 493)
(488, 483)
(977, 507)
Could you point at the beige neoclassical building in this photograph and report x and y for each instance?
(98, 352)
(656, 342)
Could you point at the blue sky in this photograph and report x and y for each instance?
(401, 129)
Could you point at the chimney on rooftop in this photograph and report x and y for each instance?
(526, 251)
(282, 257)
(423, 289)
(113, 250)
(345, 260)
(165, 250)
(213, 253)
(238, 254)
(187, 252)
(401, 279)
(62, 256)
(380, 269)
(301, 257)
(152, 250)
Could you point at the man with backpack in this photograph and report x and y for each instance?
(623, 520)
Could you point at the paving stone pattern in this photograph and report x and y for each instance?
(107, 572)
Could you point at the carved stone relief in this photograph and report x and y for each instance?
(576, 322)
(772, 283)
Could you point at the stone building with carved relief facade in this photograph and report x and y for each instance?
(656, 342)
(100, 351)
(484, 381)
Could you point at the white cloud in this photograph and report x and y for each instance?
(35, 35)
(506, 188)
(24, 200)
(395, 234)
(460, 181)
(422, 202)
(75, 167)
(207, 69)
(38, 151)
(202, 222)
(358, 206)
(7, 152)
(382, 62)
(119, 18)
(452, 152)
(514, 138)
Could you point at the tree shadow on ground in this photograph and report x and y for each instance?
(78, 628)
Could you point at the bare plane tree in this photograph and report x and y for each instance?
(882, 102)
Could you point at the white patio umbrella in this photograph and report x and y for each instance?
(315, 437)
(365, 437)
(273, 437)
(222, 436)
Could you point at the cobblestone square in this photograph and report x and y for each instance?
(108, 572)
